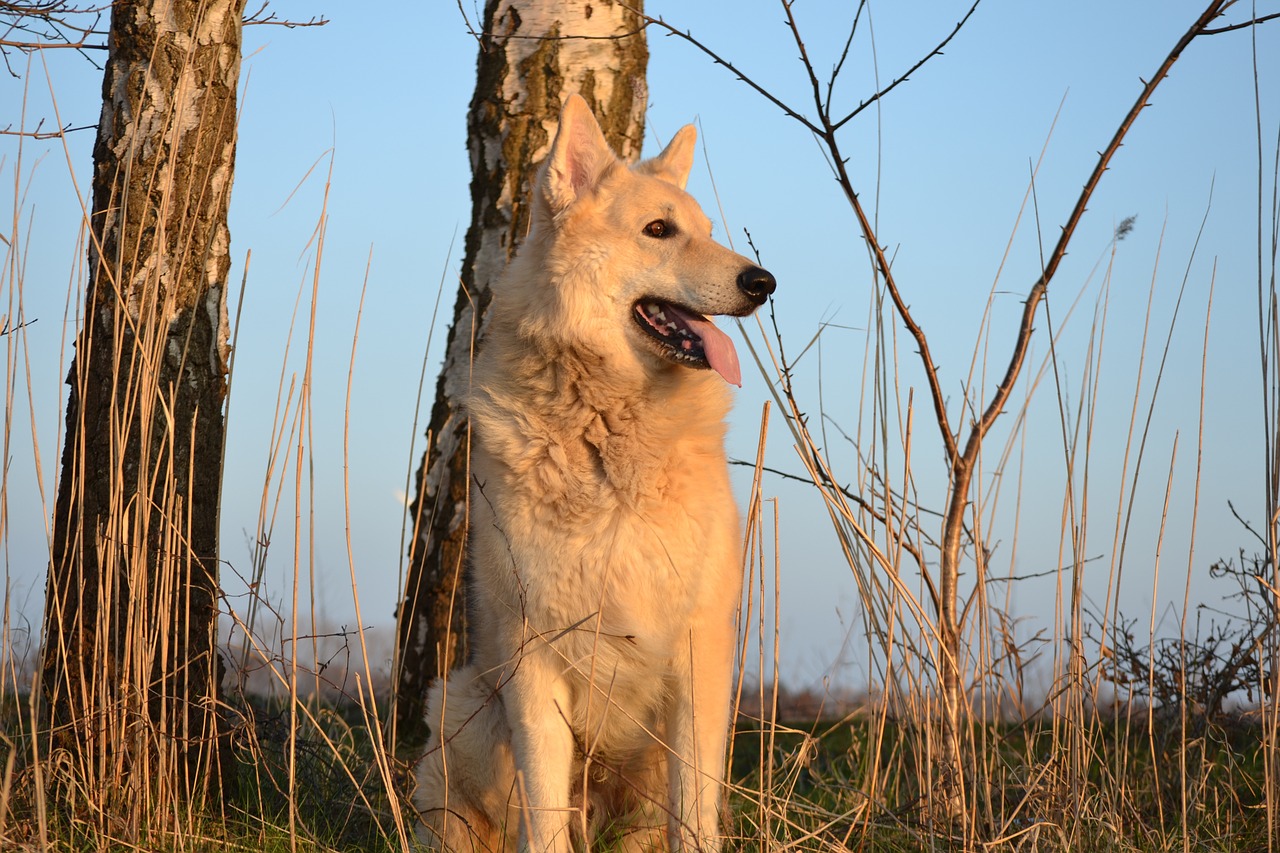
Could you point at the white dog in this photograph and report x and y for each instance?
(605, 555)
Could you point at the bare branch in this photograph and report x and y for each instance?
(1213, 31)
(824, 108)
(44, 134)
(49, 23)
(937, 51)
(46, 45)
(904, 313)
(31, 25)
(828, 136)
(844, 54)
(720, 60)
(826, 130)
(6, 328)
(262, 16)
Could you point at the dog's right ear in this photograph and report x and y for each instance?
(676, 160)
(579, 155)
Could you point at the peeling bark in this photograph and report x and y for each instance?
(130, 673)
(531, 58)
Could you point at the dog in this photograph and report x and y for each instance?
(605, 563)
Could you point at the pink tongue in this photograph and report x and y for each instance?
(721, 355)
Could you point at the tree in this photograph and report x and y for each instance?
(130, 671)
(533, 54)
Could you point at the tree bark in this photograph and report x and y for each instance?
(130, 671)
(533, 54)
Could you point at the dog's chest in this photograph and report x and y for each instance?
(632, 532)
(635, 557)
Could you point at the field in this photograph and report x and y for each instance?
(313, 784)
(1060, 449)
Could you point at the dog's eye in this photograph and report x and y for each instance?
(659, 228)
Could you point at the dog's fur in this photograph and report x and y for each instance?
(605, 555)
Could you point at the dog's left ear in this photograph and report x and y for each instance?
(579, 155)
(676, 160)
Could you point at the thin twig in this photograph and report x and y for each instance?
(937, 51)
(720, 60)
(844, 54)
(1253, 22)
(261, 17)
(44, 134)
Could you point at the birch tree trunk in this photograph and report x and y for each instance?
(130, 671)
(533, 54)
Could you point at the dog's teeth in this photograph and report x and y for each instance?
(671, 327)
(653, 309)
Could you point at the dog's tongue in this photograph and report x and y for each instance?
(721, 355)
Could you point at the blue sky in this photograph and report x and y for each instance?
(370, 110)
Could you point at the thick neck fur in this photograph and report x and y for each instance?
(571, 400)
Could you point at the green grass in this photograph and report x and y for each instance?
(818, 786)
(309, 782)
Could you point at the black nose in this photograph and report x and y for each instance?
(757, 284)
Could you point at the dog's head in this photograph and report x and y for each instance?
(628, 246)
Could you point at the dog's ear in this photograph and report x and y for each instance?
(579, 155)
(676, 160)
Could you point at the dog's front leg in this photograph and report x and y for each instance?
(697, 728)
(537, 703)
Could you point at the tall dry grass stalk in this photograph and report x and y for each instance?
(1268, 244)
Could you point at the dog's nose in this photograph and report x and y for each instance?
(757, 284)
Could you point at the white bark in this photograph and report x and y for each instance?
(534, 54)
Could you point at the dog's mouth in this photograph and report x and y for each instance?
(688, 338)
